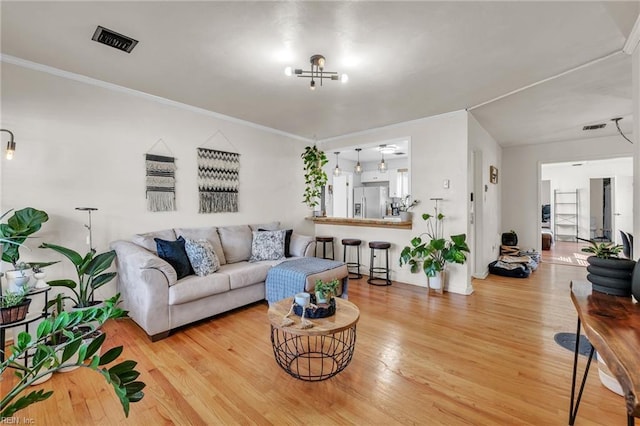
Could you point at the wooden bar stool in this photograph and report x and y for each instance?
(352, 242)
(373, 270)
(325, 241)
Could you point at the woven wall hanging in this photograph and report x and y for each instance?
(218, 180)
(161, 183)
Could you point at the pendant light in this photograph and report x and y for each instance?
(382, 166)
(337, 171)
(358, 168)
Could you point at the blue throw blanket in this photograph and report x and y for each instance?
(288, 278)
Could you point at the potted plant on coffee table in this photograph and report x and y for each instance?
(325, 290)
(433, 253)
(607, 272)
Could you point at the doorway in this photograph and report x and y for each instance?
(604, 196)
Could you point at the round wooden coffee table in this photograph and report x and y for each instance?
(316, 353)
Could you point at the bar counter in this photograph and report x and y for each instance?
(372, 223)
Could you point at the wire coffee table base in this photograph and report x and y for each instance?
(313, 358)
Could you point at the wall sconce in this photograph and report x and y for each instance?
(337, 171)
(358, 168)
(11, 145)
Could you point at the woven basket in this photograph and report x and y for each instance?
(14, 313)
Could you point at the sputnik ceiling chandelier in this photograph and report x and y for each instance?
(317, 72)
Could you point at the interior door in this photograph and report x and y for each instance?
(623, 202)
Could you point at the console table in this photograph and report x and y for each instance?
(612, 324)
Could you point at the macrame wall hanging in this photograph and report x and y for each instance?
(161, 181)
(218, 178)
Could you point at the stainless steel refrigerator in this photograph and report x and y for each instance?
(370, 202)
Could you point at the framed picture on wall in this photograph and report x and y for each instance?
(493, 174)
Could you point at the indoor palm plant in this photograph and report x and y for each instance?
(315, 178)
(607, 272)
(45, 360)
(90, 271)
(431, 254)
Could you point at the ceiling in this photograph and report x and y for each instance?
(405, 60)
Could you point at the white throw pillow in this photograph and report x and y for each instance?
(267, 245)
(202, 257)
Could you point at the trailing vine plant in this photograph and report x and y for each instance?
(314, 175)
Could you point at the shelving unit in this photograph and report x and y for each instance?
(565, 213)
(31, 317)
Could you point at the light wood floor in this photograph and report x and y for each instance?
(484, 359)
(566, 253)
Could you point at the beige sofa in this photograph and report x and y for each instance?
(159, 302)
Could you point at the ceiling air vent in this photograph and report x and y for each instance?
(113, 39)
(594, 126)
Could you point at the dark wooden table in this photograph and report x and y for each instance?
(612, 324)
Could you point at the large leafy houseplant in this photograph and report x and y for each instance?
(431, 254)
(314, 175)
(90, 271)
(45, 359)
(18, 228)
(603, 250)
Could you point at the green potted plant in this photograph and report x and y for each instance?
(405, 208)
(607, 272)
(89, 333)
(14, 306)
(45, 360)
(432, 254)
(315, 178)
(20, 226)
(90, 271)
(325, 290)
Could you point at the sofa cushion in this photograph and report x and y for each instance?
(236, 242)
(267, 245)
(271, 226)
(201, 256)
(209, 233)
(194, 287)
(148, 240)
(244, 274)
(287, 241)
(175, 254)
(299, 244)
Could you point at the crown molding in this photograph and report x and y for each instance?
(158, 99)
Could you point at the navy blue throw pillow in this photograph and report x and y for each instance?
(176, 255)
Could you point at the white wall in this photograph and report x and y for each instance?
(566, 177)
(487, 197)
(79, 144)
(521, 198)
(438, 151)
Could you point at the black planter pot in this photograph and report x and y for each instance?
(611, 276)
(635, 282)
